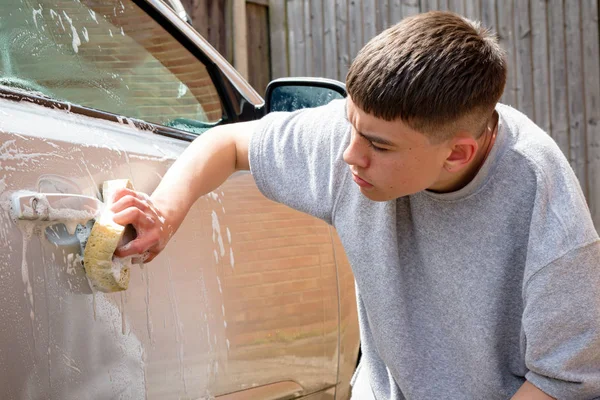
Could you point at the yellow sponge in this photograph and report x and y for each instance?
(104, 271)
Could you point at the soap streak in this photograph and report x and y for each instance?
(178, 324)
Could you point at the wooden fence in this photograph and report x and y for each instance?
(552, 47)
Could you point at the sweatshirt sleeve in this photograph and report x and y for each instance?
(561, 323)
(296, 158)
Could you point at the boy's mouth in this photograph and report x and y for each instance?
(361, 182)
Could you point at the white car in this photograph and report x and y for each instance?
(250, 300)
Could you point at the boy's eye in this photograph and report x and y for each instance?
(376, 148)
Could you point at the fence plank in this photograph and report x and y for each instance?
(443, 5)
(540, 60)
(317, 31)
(473, 10)
(199, 15)
(428, 5)
(488, 15)
(240, 36)
(369, 17)
(523, 67)
(456, 6)
(216, 30)
(591, 65)
(410, 7)
(308, 42)
(355, 28)
(341, 33)
(395, 12)
(258, 46)
(329, 41)
(279, 51)
(506, 38)
(295, 19)
(382, 10)
(228, 31)
(559, 118)
(575, 92)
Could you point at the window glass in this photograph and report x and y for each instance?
(295, 97)
(108, 55)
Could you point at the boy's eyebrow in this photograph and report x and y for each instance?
(369, 137)
(376, 139)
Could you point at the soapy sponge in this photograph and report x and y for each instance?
(106, 272)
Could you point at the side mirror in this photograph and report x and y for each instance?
(290, 94)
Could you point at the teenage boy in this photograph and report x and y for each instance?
(473, 250)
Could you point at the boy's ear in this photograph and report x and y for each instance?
(463, 149)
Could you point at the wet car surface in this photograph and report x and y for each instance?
(250, 299)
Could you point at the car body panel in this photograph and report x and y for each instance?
(212, 314)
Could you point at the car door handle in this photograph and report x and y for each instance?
(59, 207)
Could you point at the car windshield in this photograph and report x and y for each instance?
(104, 54)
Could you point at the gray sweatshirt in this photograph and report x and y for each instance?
(461, 295)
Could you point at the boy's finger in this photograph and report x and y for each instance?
(120, 192)
(135, 247)
(129, 201)
(135, 217)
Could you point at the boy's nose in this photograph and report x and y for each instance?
(355, 154)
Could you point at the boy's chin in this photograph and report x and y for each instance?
(374, 195)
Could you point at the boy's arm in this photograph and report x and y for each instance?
(529, 392)
(202, 167)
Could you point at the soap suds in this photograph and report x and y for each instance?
(149, 325)
(76, 41)
(93, 15)
(37, 13)
(27, 232)
(219, 283)
(217, 233)
(123, 319)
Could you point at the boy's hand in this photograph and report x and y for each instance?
(153, 231)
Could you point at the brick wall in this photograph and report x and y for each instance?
(283, 286)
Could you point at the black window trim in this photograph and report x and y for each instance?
(18, 96)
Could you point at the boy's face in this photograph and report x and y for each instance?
(389, 160)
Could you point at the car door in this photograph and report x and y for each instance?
(242, 303)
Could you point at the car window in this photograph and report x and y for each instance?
(108, 55)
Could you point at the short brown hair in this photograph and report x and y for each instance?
(433, 71)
